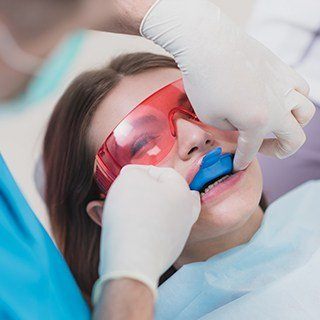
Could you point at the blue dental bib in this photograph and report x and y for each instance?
(214, 165)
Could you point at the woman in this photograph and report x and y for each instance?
(94, 106)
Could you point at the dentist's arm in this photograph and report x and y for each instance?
(125, 299)
(147, 219)
(232, 80)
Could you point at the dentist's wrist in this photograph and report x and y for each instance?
(131, 13)
(119, 16)
(120, 275)
(125, 299)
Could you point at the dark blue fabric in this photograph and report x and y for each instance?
(35, 281)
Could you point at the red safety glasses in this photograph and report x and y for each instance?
(145, 136)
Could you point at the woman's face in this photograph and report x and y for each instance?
(228, 205)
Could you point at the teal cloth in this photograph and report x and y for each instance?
(36, 282)
(47, 80)
(274, 276)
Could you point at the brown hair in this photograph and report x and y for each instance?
(69, 161)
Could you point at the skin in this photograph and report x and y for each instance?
(13, 82)
(233, 215)
(113, 16)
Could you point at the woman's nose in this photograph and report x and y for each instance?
(192, 139)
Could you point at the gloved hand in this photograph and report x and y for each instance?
(147, 219)
(232, 81)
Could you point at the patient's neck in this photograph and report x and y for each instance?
(204, 250)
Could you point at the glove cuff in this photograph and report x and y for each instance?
(96, 292)
(146, 17)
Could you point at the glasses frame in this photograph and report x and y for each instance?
(102, 173)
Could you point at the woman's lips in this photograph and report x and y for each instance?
(223, 188)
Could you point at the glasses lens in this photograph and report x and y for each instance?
(143, 138)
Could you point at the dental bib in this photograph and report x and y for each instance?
(273, 276)
(214, 165)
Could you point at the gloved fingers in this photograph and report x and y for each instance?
(196, 205)
(152, 171)
(134, 168)
(222, 124)
(302, 108)
(289, 138)
(162, 174)
(157, 173)
(249, 143)
(300, 84)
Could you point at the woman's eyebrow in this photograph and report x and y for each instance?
(183, 99)
(144, 119)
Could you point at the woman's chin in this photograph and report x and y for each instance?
(232, 205)
(224, 218)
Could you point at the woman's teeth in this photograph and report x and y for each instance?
(208, 188)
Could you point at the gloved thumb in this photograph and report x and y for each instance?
(165, 174)
(248, 146)
(196, 203)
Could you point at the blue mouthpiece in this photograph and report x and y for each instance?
(214, 165)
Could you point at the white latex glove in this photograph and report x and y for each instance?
(232, 80)
(147, 219)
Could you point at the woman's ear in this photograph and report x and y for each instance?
(95, 211)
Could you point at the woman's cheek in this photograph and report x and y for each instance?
(172, 161)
